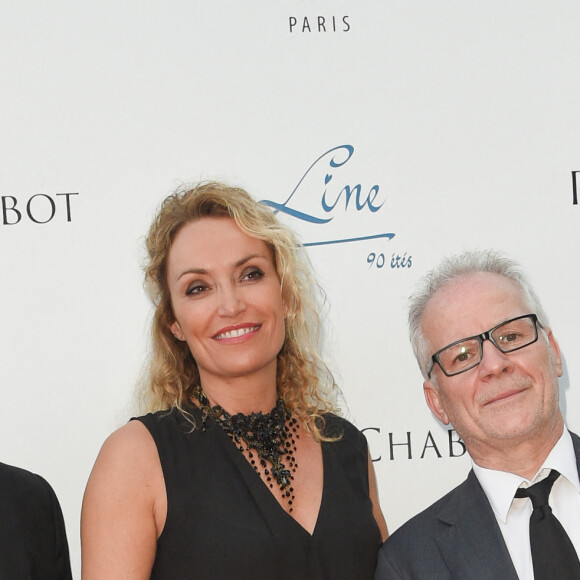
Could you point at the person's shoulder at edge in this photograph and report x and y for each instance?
(31, 522)
(25, 490)
(17, 480)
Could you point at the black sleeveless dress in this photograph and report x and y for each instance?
(224, 523)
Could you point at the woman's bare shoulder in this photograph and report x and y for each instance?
(124, 506)
(129, 448)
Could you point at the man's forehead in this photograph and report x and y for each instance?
(469, 305)
(474, 287)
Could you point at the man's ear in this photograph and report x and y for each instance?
(176, 330)
(555, 348)
(434, 401)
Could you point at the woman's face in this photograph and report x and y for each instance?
(227, 301)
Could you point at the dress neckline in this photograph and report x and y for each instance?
(255, 483)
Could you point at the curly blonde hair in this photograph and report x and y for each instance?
(303, 380)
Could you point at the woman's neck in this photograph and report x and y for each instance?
(241, 395)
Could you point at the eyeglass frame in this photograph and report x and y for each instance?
(487, 335)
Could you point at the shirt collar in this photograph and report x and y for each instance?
(500, 486)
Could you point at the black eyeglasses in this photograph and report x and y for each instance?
(464, 354)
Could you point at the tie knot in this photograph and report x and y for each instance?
(539, 492)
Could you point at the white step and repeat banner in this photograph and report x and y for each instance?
(389, 134)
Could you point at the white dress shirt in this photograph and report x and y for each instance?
(513, 514)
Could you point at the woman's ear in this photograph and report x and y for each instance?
(176, 330)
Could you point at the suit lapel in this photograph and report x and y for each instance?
(473, 546)
(576, 443)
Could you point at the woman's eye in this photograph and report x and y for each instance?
(195, 289)
(253, 274)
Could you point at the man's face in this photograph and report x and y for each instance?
(507, 398)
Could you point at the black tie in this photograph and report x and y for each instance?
(553, 554)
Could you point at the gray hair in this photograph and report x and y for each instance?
(455, 267)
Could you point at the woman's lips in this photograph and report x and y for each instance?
(236, 331)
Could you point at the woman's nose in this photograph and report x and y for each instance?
(231, 301)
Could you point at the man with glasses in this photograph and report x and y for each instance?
(491, 366)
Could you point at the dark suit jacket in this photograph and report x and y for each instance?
(456, 538)
(33, 543)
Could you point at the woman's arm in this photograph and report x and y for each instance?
(374, 495)
(124, 507)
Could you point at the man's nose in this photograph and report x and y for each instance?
(493, 360)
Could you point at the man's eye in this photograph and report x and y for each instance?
(463, 355)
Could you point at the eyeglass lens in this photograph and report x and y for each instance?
(510, 336)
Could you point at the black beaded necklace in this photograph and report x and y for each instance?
(271, 435)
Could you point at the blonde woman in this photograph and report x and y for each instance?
(241, 469)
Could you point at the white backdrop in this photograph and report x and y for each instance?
(453, 125)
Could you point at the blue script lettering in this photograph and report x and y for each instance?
(337, 157)
(378, 260)
(348, 192)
